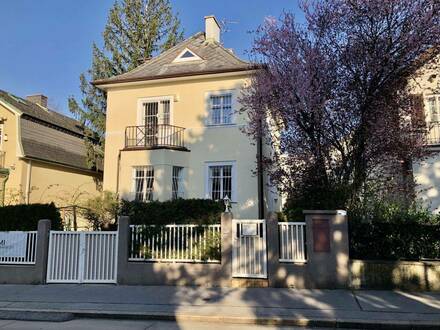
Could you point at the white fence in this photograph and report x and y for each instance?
(18, 247)
(175, 243)
(292, 241)
(82, 257)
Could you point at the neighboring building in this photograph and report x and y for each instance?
(43, 155)
(427, 171)
(173, 129)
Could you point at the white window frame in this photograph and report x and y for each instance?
(179, 59)
(141, 108)
(234, 106)
(134, 168)
(428, 110)
(2, 135)
(180, 183)
(232, 163)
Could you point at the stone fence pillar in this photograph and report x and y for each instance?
(42, 250)
(272, 245)
(327, 248)
(123, 240)
(226, 246)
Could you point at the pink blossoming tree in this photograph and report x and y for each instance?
(335, 89)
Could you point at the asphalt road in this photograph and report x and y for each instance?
(95, 324)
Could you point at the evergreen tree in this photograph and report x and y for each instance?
(135, 31)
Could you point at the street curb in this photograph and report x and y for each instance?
(62, 316)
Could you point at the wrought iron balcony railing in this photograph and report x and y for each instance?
(155, 136)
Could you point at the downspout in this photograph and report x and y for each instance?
(28, 181)
(260, 177)
(118, 165)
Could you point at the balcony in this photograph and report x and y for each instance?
(433, 138)
(155, 137)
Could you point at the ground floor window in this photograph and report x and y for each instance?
(177, 182)
(220, 180)
(143, 180)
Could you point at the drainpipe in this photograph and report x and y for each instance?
(260, 176)
(28, 182)
(117, 173)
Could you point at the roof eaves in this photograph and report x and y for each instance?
(177, 75)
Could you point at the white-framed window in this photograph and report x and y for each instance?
(143, 183)
(155, 111)
(2, 135)
(220, 108)
(177, 182)
(220, 180)
(433, 104)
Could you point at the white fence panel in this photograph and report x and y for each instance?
(249, 257)
(18, 247)
(292, 241)
(175, 243)
(82, 257)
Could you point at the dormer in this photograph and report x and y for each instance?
(187, 55)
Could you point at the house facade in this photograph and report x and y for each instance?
(174, 129)
(43, 155)
(427, 171)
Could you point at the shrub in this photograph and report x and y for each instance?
(179, 211)
(384, 230)
(100, 211)
(25, 217)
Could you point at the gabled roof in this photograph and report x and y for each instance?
(65, 145)
(38, 112)
(214, 59)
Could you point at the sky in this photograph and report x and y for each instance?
(46, 44)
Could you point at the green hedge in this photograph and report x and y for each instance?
(25, 217)
(179, 211)
(394, 240)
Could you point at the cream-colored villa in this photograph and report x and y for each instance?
(173, 129)
(42, 154)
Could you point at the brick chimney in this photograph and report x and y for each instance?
(38, 99)
(212, 29)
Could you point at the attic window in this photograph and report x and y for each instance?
(186, 55)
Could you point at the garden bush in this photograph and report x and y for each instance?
(179, 211)
(392, 231)
(25, 217)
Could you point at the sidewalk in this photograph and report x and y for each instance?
(324, 308)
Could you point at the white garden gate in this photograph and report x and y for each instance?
(249, 257)
(82, 257)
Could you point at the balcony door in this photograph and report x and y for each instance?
(155, 122)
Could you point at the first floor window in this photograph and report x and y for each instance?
(177, 184)
(220, 108)
(220, 181)
(143, 183)
(434, 107)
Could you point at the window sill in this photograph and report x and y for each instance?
(220, 125)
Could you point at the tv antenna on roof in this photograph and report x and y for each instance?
(224, 25)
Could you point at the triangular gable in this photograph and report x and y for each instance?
(187, 55)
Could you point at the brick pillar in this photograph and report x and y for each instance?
(327, 248)
(226, 247)
(272, 245)
(123, 240)
(42, 249)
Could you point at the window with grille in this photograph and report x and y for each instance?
(143, 180)
(434, 108)
(220, 109)
(220, 181)
(177, 191)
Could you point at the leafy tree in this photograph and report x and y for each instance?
(337, 88)
(135, 31)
